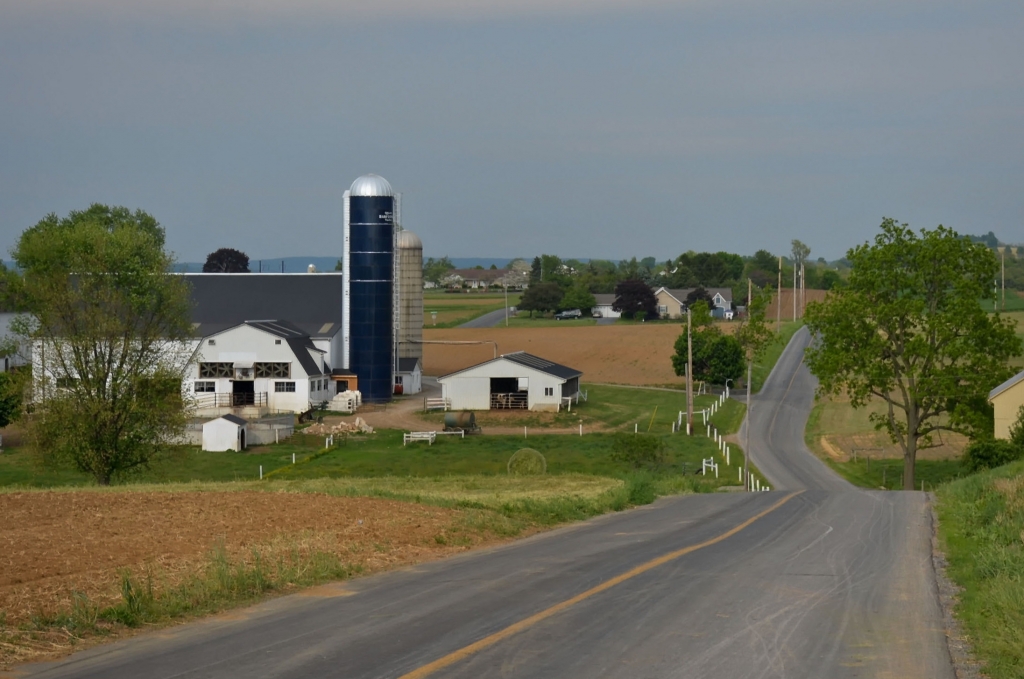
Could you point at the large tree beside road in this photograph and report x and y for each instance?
(108, 324)
(908, 330)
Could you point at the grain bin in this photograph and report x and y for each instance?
(368, 333)
(410, 295)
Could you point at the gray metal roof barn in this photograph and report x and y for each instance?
(517, 381)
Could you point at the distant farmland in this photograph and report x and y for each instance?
(619, 354)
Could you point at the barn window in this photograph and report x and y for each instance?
(202, 387)
(280, 387)
(549, 391)
(66, 382)
(209, 370)
(273, 369)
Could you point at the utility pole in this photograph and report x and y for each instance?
(803, 289)
(750, 374)
(689, 375)
(778, 306)
(794, 287)
(1002, 267)
(506, 302)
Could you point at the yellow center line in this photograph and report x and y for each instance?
(526, 623)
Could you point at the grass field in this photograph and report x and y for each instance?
(1014, 302)
(1018, 317)
(981, 524)
(454, 309)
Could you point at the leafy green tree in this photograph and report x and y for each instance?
(10, 398)
(541, 297)
(226, 260)
(830, 279)
(717, 357)
(109, 325)
(578, 297)
(435, 270)
(908, 329)
(700, 314)
(634, 296)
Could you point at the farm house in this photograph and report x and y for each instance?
(517, 381)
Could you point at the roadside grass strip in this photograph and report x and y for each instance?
(982, 530)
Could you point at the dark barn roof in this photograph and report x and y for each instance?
(310, 301)
(530, 361)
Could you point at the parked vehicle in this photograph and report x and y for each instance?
(597, 314)
(568, 314)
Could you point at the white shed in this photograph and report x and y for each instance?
(409, 376)
(227, 432)
(518, 381)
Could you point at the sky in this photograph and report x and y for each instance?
(582, 128)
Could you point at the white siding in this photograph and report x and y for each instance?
(220, 435)
(245, 343)
(471, 388)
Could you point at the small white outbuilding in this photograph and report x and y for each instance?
(227, 432)
(517, 381)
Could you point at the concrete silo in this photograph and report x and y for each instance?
(410, 295)
(368, 299)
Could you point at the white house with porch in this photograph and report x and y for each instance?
(517, 381)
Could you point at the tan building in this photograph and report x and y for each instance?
(1007, 399)
(672, 303)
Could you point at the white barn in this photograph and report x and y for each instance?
(518, 381)
(409, 377)
(264, 364)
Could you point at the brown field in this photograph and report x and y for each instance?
(54, 543)
(839, 431)
(618, 354)
(786, 299)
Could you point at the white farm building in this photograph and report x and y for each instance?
(518, 381)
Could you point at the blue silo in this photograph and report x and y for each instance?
(369, 294)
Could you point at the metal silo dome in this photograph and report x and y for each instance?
(407, 239)
(371, 185)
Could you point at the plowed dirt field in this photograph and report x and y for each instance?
(619, 354)
(53, 544)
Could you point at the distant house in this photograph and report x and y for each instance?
(517, 381)
(603, 306)
(1006, 400)
(672, 302)
(474, 278)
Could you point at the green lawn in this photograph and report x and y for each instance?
(454, 309)
(19, 468)
(888, 473)
(981, 524)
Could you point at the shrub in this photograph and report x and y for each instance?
(640, 451)
(991, 453)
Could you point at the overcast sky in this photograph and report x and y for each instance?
(583, 128)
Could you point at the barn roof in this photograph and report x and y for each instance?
(1019, 377)
(530, 361)
(312, 302)
(407, 365)
(298, 341)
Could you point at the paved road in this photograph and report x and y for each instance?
(823, 581)
(489, 320)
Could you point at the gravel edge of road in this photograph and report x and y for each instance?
(965, 663)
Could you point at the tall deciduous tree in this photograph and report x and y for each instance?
(908, 329)
(633, 297)
(578, 297)
(541, 297)
(109, 324)
(226, 260)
